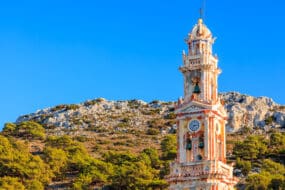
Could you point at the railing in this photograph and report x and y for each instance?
(193, 170)
(205, 168)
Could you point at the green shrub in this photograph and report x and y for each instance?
(81, 138)
(9, 128)
(156, 123)
(34, 185)
(29, 130)
(119, 143)
(134, 104)
(59, 142)
(152, 131)
(269, 120)
(245, 166)
(170, 115)
(72, 107)
(245, 130)
(125, 120)
(65, 107)
(277, 184)
(93, 102)
(90, 103)
(58, 107)
(122, 125)
(277, 139)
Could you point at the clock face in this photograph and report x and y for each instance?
(194, 125)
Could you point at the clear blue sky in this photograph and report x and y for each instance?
(58, 51)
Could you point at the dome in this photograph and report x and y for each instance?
(200, 31)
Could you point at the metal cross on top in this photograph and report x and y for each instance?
(202, 9)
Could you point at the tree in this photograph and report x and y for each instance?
(134, 171)
(272, 167)
(95, 172)
(277, 142)
(277, 184)
(16, 161)
(119, 158)
(153, 156)
(62, 142)
(56, 159)
(9, 128)
(11, 183)
(251, 148)
(34, 185)
(27, 129)
(271, 176)
(277, 139)
(76, 159)
(258, 181)
(131, 176)
(168, 147)
(245, 166)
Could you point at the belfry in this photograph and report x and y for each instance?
(201, 119)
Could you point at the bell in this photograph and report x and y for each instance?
(189, 144)
(201, 144)
(197, 89)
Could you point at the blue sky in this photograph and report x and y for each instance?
(54, 52)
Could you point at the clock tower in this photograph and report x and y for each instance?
(201, 118)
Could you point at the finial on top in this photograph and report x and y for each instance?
(200, 21)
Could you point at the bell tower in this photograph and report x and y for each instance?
(200, 66)
(201, 119)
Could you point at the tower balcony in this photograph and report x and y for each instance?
(206, 168)
(192, 62)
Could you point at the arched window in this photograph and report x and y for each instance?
(201, 142)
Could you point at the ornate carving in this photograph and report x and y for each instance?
(192, 109)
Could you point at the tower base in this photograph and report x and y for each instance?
(205, 175)
(200, 185)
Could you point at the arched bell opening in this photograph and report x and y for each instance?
(189, 144)
(201, 142)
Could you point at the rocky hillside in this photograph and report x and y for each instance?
(251, 112)
(99, 144)
(132, 116)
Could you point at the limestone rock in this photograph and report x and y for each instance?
(100, 114)
(247, 111)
